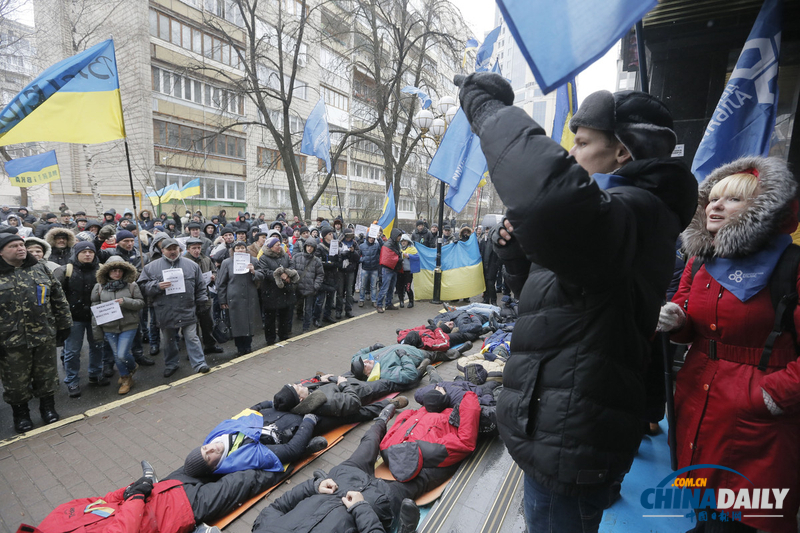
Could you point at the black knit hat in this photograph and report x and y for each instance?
(195, 465)
(7, 238)
(325, 231)
(226, 230)
(83, 245)
(304, 229)
(434, 401)
(357, 368)
(285, 399)
(412, 338)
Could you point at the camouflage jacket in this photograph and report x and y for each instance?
(32, 305)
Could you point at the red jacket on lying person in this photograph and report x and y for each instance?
(423, 438)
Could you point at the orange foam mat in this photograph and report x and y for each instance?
(382, 471)
(333, 437)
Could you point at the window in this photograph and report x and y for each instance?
(173, 84)
(335, 98)
(274, 197)
(340, 167)
(269, 158)
(269, 78)
(185, 36)
(197, 140)
(372, 172)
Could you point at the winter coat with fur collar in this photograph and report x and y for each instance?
(720, 408)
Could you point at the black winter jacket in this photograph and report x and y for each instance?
(329, 264)
(591, 268)
(78, 288)
(272, 296)
(424, 237)
(311, 273)
(304, 510)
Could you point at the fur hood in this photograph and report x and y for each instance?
(113, 262)
(50, 237)
(772, 212)
(269, 253)
(44, 244)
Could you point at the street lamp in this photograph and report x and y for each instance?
(436, 125)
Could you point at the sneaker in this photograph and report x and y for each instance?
(205, 528)
(317, 444)
(74, 390)
(433, 375)
(99, 381)
(149, 472)
(361, 303)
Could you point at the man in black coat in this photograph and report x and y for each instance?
(590, 235)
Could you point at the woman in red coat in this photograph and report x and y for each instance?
(728, 411)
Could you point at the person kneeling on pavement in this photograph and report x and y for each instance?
(174, 505)
(246, 441)
(350, 497)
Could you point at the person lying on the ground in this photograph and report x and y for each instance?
(174, 505)
(331, 396)
(350, 498)
(455, 390)
(246, 442)
(401, 364)
(438, 434)
(437, 339)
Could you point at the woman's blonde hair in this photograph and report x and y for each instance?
(741, 185)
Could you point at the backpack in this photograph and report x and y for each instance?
(783, 293)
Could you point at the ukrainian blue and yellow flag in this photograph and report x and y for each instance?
(75, 101)
(165, 194)
(462, 270)
(386, 222)
(471, 46)
(191, 189)
(33, 170)
(566, 106)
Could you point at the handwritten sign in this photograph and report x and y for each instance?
(240, 262)
(106, 312)
(334, 250)
(174, 276)
(361, 230)
(374, 231)
(207, 277)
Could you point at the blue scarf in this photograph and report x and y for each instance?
(745, 277)
(609, 181)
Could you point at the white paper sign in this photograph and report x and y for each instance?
(374, 231)
(207, 277)
(106, 312)
(334, 248)
(24, 232)
(264, 228)
(361, 230)
(678, 151)
(240, 262)
(182, 242)
(174, 276)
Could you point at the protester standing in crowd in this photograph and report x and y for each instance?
(116, 282)
(370, 262)
(194, 252)
(596, 300)
(423, 236)
(327, 291)
(277, 290)
(238, 293)
(35, 318)
(311, 272)
(732, 393)
(61, 242)
(391, 261)
(41, 251)
(176, 311)
(406, 278)
(349, 257)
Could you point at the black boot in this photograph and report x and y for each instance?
(409, 516)
(410, 299)
(47, 408)
(387, 413)
(22, 417)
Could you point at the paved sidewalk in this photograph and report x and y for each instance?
(99, 451)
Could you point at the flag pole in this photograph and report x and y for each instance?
(644, 82)
(133, 199)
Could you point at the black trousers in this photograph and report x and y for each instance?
(283, 318)
(295, 448)
(206, 324)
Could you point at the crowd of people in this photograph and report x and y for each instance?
(288, 270)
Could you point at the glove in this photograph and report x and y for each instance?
(671, 317)
(376, 346)
(314, 418)
(62, 335)
(138, 490)
(482, 94)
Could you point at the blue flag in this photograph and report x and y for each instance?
(744, 118)
(485, 51)
(389, 213)
(561, 38)
(33, 170)
(424, 99)
(459, 162)
(316, 138)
